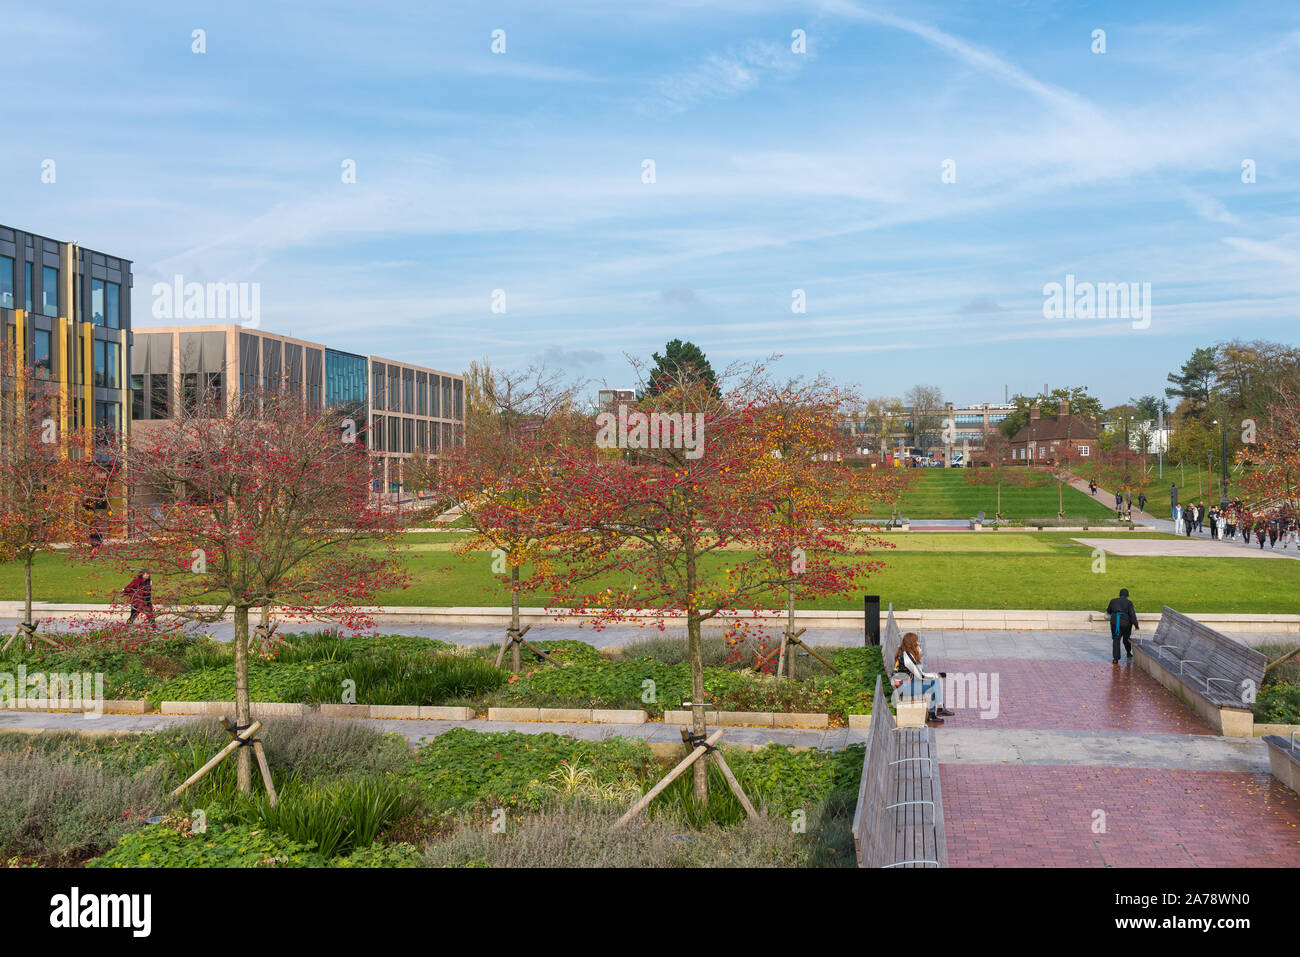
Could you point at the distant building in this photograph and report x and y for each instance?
(404, 409)
(971, 425)
(1062, 438)
(608, 399)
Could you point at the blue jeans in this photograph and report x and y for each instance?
(930, 689)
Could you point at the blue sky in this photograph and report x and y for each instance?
(774, 171)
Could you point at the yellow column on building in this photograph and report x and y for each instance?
(20, 355)
(88, 381)
(64, 370)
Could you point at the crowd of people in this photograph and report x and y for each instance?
(1227, 523)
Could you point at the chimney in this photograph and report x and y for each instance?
(1034, 412)
(1064, 410)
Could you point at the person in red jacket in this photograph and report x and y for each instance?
(139, 592)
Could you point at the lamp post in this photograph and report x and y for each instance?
(1223, 431)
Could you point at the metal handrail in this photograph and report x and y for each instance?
(1225, 681)
(890, 807)
(1195, 661)
(902, 760)
(915, 860)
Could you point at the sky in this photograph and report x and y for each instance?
(912, 174)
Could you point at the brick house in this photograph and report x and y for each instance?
(1063, 438)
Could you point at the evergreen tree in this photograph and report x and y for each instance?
(681, 360)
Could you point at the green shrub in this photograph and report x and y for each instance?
(57, 809)
(463, 769)
(174, 844)
(381, 855)
(336, 817)
(398, 679)
(266, 682)
(1278, 704)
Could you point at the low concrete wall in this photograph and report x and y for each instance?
(1284, 763)
(1229, 722)
(109, 706)
(994, 619)
(753, 719)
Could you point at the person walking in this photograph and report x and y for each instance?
(1142, 501)
(1173, 501)
(912, 682)
(1214, 524)
(1260, 533)
(1272, 532)
(1123, 619)
(1178, 519)
(139, 592)
(1092, 487)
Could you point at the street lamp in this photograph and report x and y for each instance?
(1223, 429)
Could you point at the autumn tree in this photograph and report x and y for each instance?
(924, 403)
(1271, 465)
(518, 420)
(262, 503)
(45, 476)
(705, 518)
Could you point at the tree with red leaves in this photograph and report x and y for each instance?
(44, 476)
(262, 503)
(515, 421)
(1271, 464)
(706, 501)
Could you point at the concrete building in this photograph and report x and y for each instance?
(404, 409)
(970, 425)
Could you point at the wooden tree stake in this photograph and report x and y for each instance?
(669, 778)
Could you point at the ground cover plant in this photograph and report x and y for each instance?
(1278, 700)
(351, 796)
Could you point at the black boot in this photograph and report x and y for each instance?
(933, 719)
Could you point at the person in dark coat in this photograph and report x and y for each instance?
(1142, 501)
(1123, 619)
(139, 592)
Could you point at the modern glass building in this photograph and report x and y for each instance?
(65, 314)
(401, 409)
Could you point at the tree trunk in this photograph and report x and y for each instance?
(243, 713)
(27, 594)
(699, 770)
(514, 616)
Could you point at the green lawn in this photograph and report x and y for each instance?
(1032, 570)
(945, 493)
(1194, 483)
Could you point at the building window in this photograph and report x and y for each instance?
(394, 403)
(50, 291)
(97, 301)
(6, 282)
(137, 398)
(108, 419)
(408, 435)
(112, 297)
(160, 396)
(377, 386)
(394, 437)
(41, 355)
(1083, 451)
(378, 433)
(107, 375)
(459, 386)
(27, 284)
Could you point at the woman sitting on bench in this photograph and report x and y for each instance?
(912, 682)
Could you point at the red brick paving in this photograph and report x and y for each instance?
(1042, 816)
(1069, 695)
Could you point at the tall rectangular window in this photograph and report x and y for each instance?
(394, 389)
(159, 396)
(97, 301)
(108, 417)
(112, 295)
(107, 375)
(377, 386)
(6, 282)
(27, 284)
(50, 291)
(41, 354)
(394, 437)
(377, 433)
(137, 398)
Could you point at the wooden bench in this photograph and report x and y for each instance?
(898, 821)
(1283, 758)
(1213, 674)
(890, 640)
